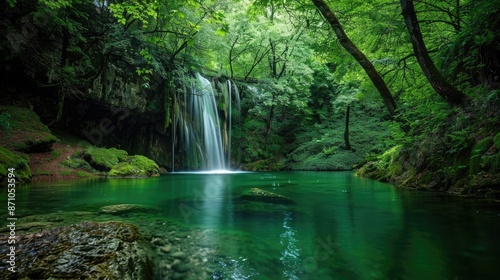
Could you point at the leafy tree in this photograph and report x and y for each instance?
(358, 55)
(438, 82)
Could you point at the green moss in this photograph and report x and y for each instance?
(66, 172)
(145, 163)
(388, 167)
(42, 172)
(82, 174)
(23, 130)
(496, 141)
(10, 160)
(124, 169)
(103, 159)
(136, 166)
(78, 163)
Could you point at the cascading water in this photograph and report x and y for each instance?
(204, 136)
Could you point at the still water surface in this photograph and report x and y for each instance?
(339, 226)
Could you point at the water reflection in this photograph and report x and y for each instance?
(340, 227)
(212, 200)
(234, 269)
(290, 253)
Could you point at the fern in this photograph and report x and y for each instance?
(477, 153)
(491, 163)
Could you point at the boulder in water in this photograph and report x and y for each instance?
(256, 194)
(120, 209)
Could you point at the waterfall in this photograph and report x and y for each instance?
(203, 128)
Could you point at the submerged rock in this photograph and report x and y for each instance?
(88, 250)
(256, 194)
(119, 209)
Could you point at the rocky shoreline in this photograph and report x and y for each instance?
(129, 243)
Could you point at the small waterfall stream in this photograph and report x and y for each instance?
(203, 125)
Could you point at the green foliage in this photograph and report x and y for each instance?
(330, 151)
(469, 58)
(82, 174)
(477, 153)
(78, 163)
(8, 160)
(496, 141)
(5, 119)
(142, 11)
(57, 4)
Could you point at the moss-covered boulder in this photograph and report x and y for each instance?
(22, 130)
(112, 162)
(256, 194)
(135, 166)
(103, 159)
(19, 162)
(119, 209)
(87, 250)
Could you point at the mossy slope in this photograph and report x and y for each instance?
(19, 162)
(458, 153)
(22, 130)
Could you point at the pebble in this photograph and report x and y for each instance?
(157, 241)
(180, 255)
(166, 248)
(179, 266)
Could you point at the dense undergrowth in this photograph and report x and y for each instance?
(25, 141)
(457, 151)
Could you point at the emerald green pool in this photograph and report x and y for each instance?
(339, 226)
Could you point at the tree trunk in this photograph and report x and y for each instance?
(358, 55)
(346, 131)
(437, 81)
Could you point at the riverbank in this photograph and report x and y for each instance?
(37, 154)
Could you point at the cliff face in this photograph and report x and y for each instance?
(120, 111)
(77, 68)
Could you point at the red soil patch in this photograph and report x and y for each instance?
(47, 166)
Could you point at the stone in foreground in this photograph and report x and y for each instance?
(87, 250)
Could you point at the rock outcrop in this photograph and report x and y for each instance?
(88, 250)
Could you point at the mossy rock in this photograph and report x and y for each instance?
(8, 160)
(88, 250)
(103, 159)
(22, 130)
(119, 209)
(256, 194)
(78, 163)
(136, 166)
